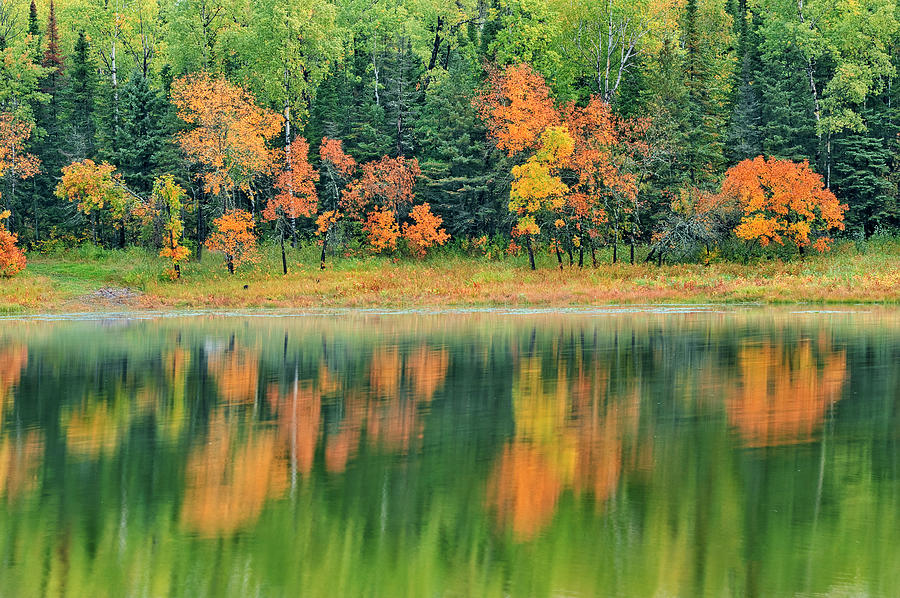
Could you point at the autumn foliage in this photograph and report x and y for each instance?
(296, 186)
(93, 187)
(235, 237)
(517, 108)
(385, 184)
(15, 161)
(229, 135)
(783, 201)
(331, 151)
(426, 232)
(581, 163)
(382, 230)
(12, 258)
(170, 198)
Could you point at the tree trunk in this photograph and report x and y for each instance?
(324, 247)
(229, 259)
(530, 251)
(558, 254)
(199, 227)
(581, 255)
(283, 257)
(34, 208)
(10, 222)
(122, 234)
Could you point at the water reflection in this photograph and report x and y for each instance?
(785, 392)
(750, 454)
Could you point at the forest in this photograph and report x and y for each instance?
(650, 130)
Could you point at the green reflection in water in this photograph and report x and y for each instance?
(751, 453)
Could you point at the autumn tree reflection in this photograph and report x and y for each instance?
(785, 392)
(236, 371)
(229, 478)
(570, 433)
(13, 359)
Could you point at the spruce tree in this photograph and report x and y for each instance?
(144, 147)
(457, 161)
(706, 37)
(402, 96)
(862, 171)
(78, 103)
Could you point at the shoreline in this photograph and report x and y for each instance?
(131, 280)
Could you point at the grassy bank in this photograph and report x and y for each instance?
(89, 279)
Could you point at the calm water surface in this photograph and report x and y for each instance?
(737, 453)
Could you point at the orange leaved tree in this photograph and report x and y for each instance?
(385, 188)
(95, 187)
(169, 197)
(382, 230)
(228, 137)
(235, 237)
(426, 232)
(338, 168)
(12, 259)
(517, 107)
(15, 162)
(296, 186)
(783, 201)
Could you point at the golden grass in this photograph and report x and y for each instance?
(64, 282)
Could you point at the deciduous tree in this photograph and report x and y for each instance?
(12, 258)
(338, 168)
(426, 232)
(783, 201)
(229, 135)
(169, 198)
(15, 162)
(296, 193)
(235, 237)
(95, 187)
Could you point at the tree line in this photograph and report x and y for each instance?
(685, 127)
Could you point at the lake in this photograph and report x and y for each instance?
(621, 452)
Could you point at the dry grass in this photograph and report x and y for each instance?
(850, 274)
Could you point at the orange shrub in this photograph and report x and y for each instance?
(234, 237)
(12, 259)
(382, 230)
(426, 231)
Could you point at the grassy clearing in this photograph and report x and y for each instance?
(852, 273)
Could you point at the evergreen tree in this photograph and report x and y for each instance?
(401, 96)
(787, 129)
(78, 103)
(744, 135)
(458, 163)
(708, 62)
(862, 171)
(145, 149)
(34, 28)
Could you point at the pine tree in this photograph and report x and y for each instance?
(707, 37)
(78, 103)
(402, 96)
(144, 148)
(458, 178)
